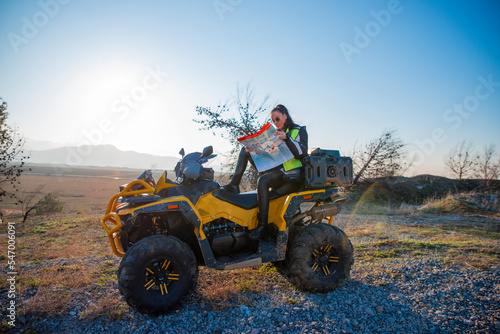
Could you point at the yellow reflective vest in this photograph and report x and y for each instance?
(294, 162)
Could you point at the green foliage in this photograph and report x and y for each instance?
(248, 284)
(3, 117)
(5, 326)
(48, 204)
(239, 116)
(33, 283)
(268, 268)
(12, 158)
(387, 253)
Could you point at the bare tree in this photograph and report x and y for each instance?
(460, 161)
(380, 157)
(12, 157)
(27, 201)
(487, 165)
(239, 116)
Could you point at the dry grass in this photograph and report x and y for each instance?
(66, 263)
(362, 208)
(76, 193)
(464, 203)
(455, 251)
(456, 239)
(109, 305)
(224, 289)
(62, 236)
(59, 289)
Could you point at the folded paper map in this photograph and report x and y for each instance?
(266, 148)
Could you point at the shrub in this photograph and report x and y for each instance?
(48, 204)
(450, 204)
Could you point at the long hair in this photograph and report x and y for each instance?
(289, 123)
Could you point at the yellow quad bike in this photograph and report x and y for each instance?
(163, 231)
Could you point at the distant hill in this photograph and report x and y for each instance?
(103, 156)
(41, 145)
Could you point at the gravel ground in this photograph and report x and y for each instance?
(424, 294)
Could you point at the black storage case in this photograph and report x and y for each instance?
(326, 168)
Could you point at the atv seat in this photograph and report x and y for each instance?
(246, 200)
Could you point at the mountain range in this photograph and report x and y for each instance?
(102, 156)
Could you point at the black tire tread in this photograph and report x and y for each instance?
(130, 269)
(299, 254)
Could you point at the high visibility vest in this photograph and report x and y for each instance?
(294, 162)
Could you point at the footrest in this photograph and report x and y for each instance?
(244, 264)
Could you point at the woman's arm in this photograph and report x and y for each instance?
(298, 146)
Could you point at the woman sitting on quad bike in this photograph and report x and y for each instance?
(283, 179)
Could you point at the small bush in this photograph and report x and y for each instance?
(48, 204)
(451, 204)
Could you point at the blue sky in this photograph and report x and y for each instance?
(347, 70)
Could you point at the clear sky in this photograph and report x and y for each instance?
(130, 73)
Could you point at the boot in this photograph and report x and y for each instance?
(255, 234)
(234, 186)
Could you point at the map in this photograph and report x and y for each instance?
(266, 148)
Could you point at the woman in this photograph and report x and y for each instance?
(295, 138)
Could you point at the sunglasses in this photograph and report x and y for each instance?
(276, 120)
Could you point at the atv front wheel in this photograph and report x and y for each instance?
(156, 273)
(320, 258)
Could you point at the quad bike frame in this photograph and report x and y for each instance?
(163, 231)
(210, 208)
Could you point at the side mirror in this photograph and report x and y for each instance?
(181, 152)
(207, 151)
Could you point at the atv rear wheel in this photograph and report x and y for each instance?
(156, 273)
(320, 258)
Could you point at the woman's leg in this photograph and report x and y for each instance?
(272, 179)
(241, 165)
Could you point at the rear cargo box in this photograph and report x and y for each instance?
(326, 168)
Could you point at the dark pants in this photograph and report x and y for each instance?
(274, 179)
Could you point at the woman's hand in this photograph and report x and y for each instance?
(281, 135)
